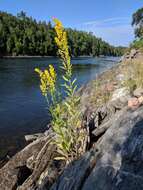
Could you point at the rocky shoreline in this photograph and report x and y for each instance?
(114, 118)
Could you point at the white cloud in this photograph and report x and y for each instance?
(116, 31)
(108, 20)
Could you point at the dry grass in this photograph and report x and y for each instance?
(134, 75)
(101, 93)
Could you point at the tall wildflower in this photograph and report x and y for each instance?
(66, 118)
(76, 135)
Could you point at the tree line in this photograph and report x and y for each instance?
(23, 35)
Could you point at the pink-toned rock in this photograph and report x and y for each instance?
(133, 103)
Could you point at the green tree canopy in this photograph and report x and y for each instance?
(23, 35)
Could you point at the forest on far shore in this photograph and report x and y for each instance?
(23, 35)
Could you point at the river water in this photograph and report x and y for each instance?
(22, 107)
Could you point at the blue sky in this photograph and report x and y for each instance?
(109, 19)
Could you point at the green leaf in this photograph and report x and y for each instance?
(66, 79)
(74, 89)
(74, 81)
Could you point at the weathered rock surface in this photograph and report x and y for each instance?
(115, 162)
(24, 171)
(33, 137)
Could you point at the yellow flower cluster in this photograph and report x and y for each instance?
(47, 79)
(62, 43)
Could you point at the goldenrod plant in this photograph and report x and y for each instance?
(70, 136)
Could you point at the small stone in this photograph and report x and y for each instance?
(138, 92)
(140, 99)
(121, 92)
(48, 132)
(133, 103)
(115, 83)
(120, 77)
(33, 137)
(133, 53)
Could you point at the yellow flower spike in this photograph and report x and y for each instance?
(62, 43)
(52, 72)
(46, 75)
(47, 80)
